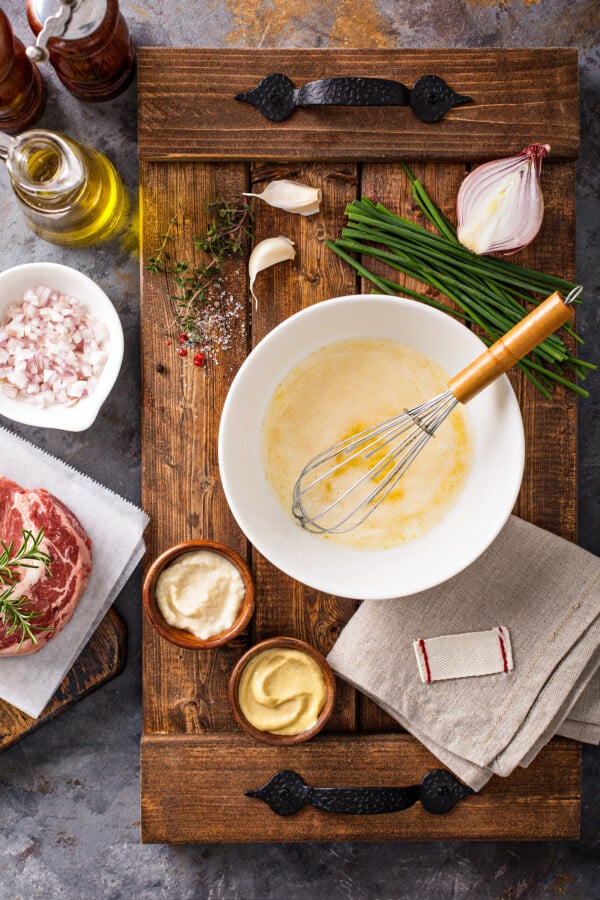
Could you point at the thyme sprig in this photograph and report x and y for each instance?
(17, 612)
(196, 282)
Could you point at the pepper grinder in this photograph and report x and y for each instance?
(86, 41)
(22, 93)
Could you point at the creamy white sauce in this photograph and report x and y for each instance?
(200, 592)
(348, 386)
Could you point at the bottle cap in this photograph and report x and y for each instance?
(69, 20)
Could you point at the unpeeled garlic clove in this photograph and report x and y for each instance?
(267, 253)
(291, 196)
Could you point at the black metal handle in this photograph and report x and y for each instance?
(276, 96)
(287, 792)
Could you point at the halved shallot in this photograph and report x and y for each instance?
(500, 205)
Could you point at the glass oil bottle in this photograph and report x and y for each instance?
(69, 193)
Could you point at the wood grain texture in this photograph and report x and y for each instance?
(187, 797)
(102, 659)
(188, 104)
(191, 742)
(548, 496)
(181, 409)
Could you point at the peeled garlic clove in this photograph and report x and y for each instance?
(500, 205)
(291, 196)
(267, 253)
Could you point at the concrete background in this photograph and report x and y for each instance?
(69, 794)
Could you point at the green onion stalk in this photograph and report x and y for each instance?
(487, 291)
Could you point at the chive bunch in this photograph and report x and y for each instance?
(487, 291)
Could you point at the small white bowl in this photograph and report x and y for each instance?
(13, 284)
(455, 542)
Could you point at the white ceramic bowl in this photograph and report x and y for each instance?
(455, 542)
(13, 284)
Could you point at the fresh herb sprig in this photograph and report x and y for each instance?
(196, 282)
(487, 291)
(17, 612)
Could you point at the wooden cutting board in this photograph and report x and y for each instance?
(102, 659)
(197, 143)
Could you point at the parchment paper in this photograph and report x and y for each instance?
(115, 527)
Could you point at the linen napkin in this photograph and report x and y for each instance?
(115, 527)
(583, 721)
(546, 592)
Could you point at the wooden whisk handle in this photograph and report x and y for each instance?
(513, 346)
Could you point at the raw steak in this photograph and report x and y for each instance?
(56, 595)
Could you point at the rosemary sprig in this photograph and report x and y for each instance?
(16, 611)
(197, 282)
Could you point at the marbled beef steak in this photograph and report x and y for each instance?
(53, 595)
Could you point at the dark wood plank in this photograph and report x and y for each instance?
(187, 104)
(315, 274)
(186, 797)
(181, 407)
(102, 659)
(548, 495)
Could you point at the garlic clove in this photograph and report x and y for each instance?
(267, 253)
(291, 196)
(500, 206)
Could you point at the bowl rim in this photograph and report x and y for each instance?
(180, 636)
(503, 397)
(268, 737)
(83, 414)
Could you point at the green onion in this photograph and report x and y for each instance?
(487, 291)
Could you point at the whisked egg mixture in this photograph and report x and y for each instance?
(343, 388)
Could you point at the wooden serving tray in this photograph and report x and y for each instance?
(197, 143)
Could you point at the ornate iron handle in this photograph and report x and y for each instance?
(276, 96)
(287, 792)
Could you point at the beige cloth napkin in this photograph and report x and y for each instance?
(583, 721)
(546, 591)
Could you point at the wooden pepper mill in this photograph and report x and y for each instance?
(86, 41)
(22, 93)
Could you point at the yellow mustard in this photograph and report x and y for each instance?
(282, 691)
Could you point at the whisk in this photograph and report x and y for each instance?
(395, 443)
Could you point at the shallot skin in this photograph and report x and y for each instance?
(51, 349)
(500, 207)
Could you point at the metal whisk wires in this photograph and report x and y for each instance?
(392, 446)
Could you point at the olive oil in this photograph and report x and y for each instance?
(70, 194)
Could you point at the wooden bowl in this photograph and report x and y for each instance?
(268, 737)
(180, 636)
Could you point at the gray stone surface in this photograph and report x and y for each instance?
(69, 794)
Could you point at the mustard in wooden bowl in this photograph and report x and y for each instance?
(282, 690)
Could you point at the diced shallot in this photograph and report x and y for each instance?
(51, 349)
